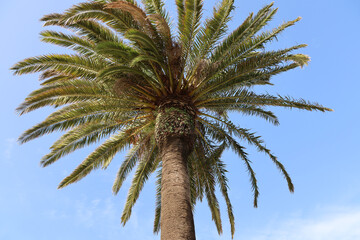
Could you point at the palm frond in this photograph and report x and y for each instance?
(157, 218)
(156, 7)
(250, 26)
(132, 158)
(144, 169)
(80, 45)
(102, 155)
(213, 29)
(83, 12)
(222, 136)
(69, 64)
(189, 23)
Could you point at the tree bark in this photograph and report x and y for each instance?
(177, 221)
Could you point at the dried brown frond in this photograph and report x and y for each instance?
(136, 12)
(122, 86)
(133, 86)
(203, 69)
(161, 26)
(174, 53)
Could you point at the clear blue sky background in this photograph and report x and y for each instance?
(321, 151)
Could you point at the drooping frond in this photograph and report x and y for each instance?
(157, 218)
(219, 134)
(222, 181)
(147, 165)
(204, 170)
(245, 134)
(133, 157)
(103, 155)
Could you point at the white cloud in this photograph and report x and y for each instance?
(327, 224)
(9, 145)
(88, 213)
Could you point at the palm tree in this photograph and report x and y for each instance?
(164, 96)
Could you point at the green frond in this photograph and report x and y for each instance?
(62, 123)
(80, 45)
(253, 70)
(289, 102)
(258, 142)
(93, 30)
(70, 119)
(143, 171)
(300, 59)
(143, 42)
(113, 18)
(87, 27)
(207, 175)
(156, 7)
(252, 139)
(117, 51)
(245, 110)
(189, 23)
(157, 218)
(120, 70)
(68, 64)
(257, 42)
(218, 133)
(214, 28)
(243, 97)
(145, 58)
(74, 90)
(250, 26)
(222, 181)
(251, 172)
(77, 138)
(214, 208)
(129, 163)
(103, 154)
(84, 135)
(181, 13)
(51, 19)
(57, 79)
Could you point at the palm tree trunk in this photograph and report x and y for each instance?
(177, 221)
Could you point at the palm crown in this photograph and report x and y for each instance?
(134, 81)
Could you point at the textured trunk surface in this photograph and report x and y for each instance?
(177, 221)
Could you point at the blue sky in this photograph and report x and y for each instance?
(320, 151)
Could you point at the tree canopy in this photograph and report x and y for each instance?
(129, 64)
